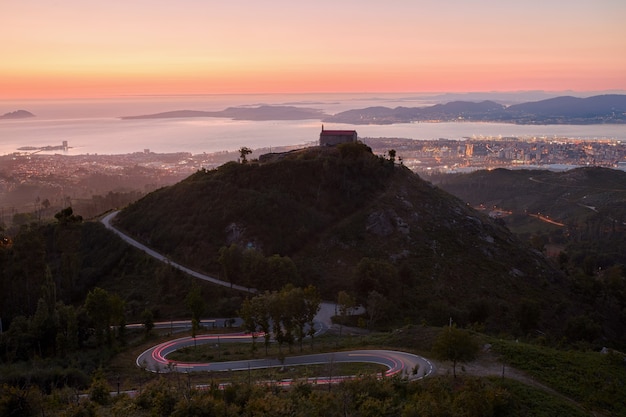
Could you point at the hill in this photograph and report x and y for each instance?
(349, 220)
(609, 108)
(17, 114)
(577, 216)
(568, 106)
(583, 204)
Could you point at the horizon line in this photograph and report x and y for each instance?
(119, 96)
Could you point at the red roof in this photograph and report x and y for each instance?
(338, 132)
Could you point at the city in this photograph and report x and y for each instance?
(452, 156)
(42, 183)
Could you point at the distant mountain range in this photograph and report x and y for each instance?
(17, 114)
(609, 108)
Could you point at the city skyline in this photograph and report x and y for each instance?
(74, 48)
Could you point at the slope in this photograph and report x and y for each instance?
(356, 222)
(577, 216)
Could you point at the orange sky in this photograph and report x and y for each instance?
(92, 48)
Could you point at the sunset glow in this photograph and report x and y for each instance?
(77, 48)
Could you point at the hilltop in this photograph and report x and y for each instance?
(349, 220)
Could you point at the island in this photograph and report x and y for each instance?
(259, 113)
(601, 109)
(17, 114)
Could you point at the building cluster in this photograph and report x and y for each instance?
(450, 155)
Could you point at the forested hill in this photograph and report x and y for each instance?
(344, 219)
(577, 216)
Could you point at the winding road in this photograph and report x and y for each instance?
(398, 363)
(155, 359)
(107, 223)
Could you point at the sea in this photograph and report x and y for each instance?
(95, 126)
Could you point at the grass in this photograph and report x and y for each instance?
(593, 379)
(536, 402)
(243, 351)
(293, 372)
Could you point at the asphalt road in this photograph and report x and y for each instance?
(398, 363)
(107, 223)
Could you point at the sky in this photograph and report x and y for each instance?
(96, 48)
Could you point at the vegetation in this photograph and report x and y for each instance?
(290, 313)
(455, 345)
(67, 290)
(338, 224)
(590, 378)
(577, 217)
(343, 219)
(366, 396)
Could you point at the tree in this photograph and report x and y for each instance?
(376, 307)
(455, 345)
(118, 317)
(289, 305)
(67, 334)
(281, 270)
(43, 328)
(312, 302)
(528, 315)
(230, 258)
(18, 339)
(276, 315)
(374, 275)
(99, 390)
(253, 268)
(196, 305)
(346, 303)
(100, 310)
(582, 327)
(244, 151)
(261, 311)
(20, 401)
(67, 216)
(148, 320)
(248, 315)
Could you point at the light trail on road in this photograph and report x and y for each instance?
(398, 363)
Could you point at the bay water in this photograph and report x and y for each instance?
(95, 126)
